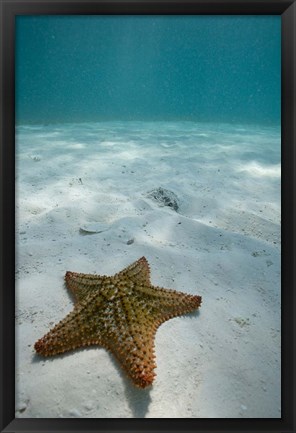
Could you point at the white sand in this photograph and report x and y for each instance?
(223, 244)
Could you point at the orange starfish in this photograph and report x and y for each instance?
(121, 313)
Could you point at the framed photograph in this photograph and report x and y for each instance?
(147, 224)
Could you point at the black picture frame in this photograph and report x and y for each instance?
(9, 10)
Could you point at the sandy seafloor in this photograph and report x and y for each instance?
(223, 244)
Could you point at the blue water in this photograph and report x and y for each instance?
(196, 68)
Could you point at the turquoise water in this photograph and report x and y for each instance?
(196, 68)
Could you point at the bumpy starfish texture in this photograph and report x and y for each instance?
(122, 314)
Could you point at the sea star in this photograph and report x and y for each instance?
(120, 313)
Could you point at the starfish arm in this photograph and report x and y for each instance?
(130, 337)
(166, 303)
(82, 285)
(138, 272)
(135, 354)
(77, 329)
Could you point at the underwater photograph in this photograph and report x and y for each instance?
(148, 216)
